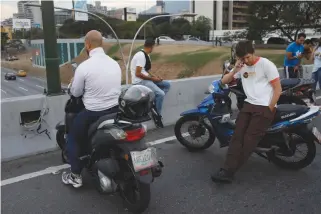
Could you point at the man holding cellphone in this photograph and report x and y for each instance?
(261, 83)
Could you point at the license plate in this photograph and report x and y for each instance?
(317, 134)
(144, 159)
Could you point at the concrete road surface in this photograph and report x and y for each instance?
(184, 187)
(22, 86)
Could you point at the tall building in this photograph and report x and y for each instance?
(160, 6)
(97, 8)
(27, 12)
(225, 15)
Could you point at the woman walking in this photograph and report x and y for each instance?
(316, 57)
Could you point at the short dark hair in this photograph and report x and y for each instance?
(308, 42)
(244, 47)
(149, 43)
(301, 35)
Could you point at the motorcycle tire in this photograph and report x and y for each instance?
(60, 138)
(304, 136)
(144, 195)
(184, 142)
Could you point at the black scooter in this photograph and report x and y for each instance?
(117, 158)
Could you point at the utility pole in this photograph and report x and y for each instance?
(50, 44)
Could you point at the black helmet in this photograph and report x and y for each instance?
(136, 101)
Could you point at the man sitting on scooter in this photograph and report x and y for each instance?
(261, 83)
(98, 81)
(140, 67)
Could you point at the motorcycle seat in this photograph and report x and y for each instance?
(93, 127)
(289, 83)
(286, 112)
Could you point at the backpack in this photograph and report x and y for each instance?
(148, 64)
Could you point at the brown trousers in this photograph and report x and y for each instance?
(251, 125)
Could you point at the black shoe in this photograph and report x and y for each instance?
(222, 176)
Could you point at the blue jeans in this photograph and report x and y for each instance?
(160, 89)
(77, 140)
(317, 78)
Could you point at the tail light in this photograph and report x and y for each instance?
(136, 134)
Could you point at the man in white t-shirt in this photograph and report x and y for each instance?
(261, 83)
(98, 81)
(140, 67)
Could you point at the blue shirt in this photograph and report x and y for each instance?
(295, 49)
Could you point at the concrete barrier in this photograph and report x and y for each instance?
(18, 142)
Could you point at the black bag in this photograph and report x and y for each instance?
(148, 64)
(74, 105)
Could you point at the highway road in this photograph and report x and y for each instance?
(22, 86)
(183, 188)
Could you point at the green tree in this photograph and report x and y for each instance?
(289, 17)
(201, 27)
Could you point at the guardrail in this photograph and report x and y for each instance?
(18, 142)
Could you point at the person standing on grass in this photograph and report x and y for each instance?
(316, 71)
(293, 56)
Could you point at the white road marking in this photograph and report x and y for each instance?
(23, 88)
(21, 80)
(3, 91)
(6, 80)
(39, 86)
(318, 97)
(54, 169)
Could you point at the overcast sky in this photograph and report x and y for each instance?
(8, 7)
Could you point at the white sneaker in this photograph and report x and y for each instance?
(73, 179)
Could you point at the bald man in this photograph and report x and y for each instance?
(98, 81)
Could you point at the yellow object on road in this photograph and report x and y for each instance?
(21, 73)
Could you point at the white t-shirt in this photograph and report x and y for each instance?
(256, 81)
(138, 60)
(98, 79)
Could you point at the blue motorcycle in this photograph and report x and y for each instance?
(290, 129)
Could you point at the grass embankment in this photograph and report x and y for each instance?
(192, 61)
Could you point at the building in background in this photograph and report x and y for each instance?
(97, 8)
(225, 15)
(27, 12)
(62, 16)
(126, 14)
(160, 6)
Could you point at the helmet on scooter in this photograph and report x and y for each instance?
(136, 101)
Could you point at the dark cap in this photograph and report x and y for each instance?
(149, 42)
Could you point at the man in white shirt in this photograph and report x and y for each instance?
(261, 83)
(140, 67)
(98, 81)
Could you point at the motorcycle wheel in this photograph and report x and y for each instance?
(134, 188)
(298, 138)
(291, 100)
(202, 126)
(60, 138)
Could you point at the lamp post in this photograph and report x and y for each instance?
(81, 11)
(139, 29)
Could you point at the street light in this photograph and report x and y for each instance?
(81, 11)
(139, 29)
